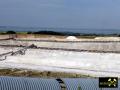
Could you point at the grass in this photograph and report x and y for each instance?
(86, 37)
(2, 33)
(21, 33)
(24, 34)
(48, 36)
(41, 74)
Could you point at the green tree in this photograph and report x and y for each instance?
(10, 32)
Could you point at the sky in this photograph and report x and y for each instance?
(100, 14)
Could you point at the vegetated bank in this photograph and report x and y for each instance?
(42, 74)
(55, 33)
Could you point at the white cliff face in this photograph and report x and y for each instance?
(108, 38)
(98, 46)
(97, 64)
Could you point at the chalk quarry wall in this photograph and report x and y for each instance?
(100, 46)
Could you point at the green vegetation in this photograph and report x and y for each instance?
(21, 32)
(10, 32)
(79, 88)
(49, 33)
(29, 32)
(42, 74)
(80, 35)
(2, 33)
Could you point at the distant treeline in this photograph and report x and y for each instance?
(59, 33)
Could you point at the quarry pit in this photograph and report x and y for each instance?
(93, 57)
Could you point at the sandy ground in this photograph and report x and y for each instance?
(94, 64)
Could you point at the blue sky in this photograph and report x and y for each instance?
(99, 14)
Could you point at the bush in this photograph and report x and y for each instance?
(10, 32)
(49, 33)
(29, 32)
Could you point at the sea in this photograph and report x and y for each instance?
(72, 30)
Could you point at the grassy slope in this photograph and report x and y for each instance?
(42, 74)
